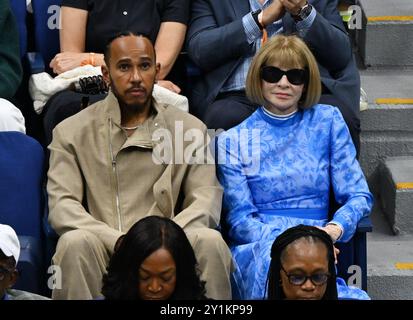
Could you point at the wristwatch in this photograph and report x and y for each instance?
(255, 16)
(303, 13)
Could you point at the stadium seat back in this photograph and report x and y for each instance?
(22, 203)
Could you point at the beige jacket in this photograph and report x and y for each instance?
(101, 181)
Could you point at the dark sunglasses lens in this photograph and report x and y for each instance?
(296, 76)
(271, 74)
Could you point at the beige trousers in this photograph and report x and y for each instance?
(83, 259)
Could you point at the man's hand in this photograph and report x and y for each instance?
(293, 6)
(272, 13)
(65, 61)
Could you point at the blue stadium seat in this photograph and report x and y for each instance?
(51, 236)
(21, 198)
(46, 30)
(354, 253)
(30, 265)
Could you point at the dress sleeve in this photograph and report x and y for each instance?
(349, 184)
(176, 11)
(244, 226)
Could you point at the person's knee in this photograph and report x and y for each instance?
(209, 236)
(214, 119)
(225, 114)
(211, 241)
(73, 244)
(228, 112)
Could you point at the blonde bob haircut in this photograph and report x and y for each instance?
(286, 52)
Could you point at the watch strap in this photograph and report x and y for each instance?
(303, 13)
(255, 16)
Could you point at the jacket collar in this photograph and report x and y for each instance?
(142, 137)
(112, 108)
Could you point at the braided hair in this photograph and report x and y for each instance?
(275, 290)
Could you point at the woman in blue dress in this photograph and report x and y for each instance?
(277, 167)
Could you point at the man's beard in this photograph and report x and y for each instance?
(135, 108)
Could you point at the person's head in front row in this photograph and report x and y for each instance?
(284, 76)
(302, 265)
(9, 256)
(155, 261)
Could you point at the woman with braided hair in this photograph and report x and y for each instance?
(302, 265)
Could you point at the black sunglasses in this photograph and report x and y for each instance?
(318, 279)
(273, 74)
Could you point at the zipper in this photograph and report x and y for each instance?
(115, 174)
(144, 146)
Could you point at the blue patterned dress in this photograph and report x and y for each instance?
(276, 174)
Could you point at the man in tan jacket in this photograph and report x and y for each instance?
(125, 158)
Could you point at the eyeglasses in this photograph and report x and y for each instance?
(3, 272)
(273, 74)
(318, 279)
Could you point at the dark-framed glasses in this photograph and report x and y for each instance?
(317, 279)
(273, 74)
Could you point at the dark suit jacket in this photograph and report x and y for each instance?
(216, 43)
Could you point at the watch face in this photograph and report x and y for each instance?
(305, 11)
